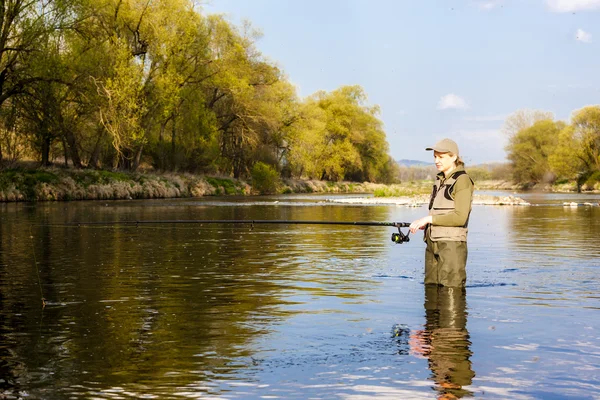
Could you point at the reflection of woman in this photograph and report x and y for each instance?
(445, 341)
(446, 225)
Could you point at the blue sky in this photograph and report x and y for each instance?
(437, 68)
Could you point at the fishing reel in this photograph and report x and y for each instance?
(400, 237)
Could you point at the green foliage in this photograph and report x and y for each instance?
(89, 177)
(404, 190)
(225, 186)
(479, 174)
(161, 83)
(391, 192)
(22, 178)
(25, 180)
(567, 158)
(586, 126)
(529, 151)
(592, 181)
(337, 136)
(265, 178)
(543, 150)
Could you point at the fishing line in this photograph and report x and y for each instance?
(37, 270)
(398, 237)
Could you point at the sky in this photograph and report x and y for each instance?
(436, 68)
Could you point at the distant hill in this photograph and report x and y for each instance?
(413, 163)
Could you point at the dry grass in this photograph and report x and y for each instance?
(57, 184)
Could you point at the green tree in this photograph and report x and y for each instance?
(253, 104)
(265, 178)
(530, 149)
(586, 129)
(340, 137)
(115, 82)
(567, 160)
(26, 34)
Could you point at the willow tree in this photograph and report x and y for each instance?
(26, 28)
(586, 127)
(305, 142)
(250, 98)
(176, 65)
(529, 151)
(145, 54)
(345, 136)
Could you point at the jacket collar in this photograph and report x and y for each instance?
(442, 177)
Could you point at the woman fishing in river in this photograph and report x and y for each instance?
(446, 225)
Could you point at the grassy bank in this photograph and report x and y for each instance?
(50, 184)
(59, 184)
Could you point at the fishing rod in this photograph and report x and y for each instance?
(398, 237)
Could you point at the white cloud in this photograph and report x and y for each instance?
(573, 5)
(583, 36)
(452, 101)
(488, 4)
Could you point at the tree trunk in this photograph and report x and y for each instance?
(173, 133)
(238, 154)
(94, 161)
(65, 150)
(73, 151)
(173, 143)
(46, 141)
(137, 158)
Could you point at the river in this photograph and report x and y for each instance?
(174, 311)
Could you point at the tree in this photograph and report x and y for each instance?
(108, 82)
(253, 104)
(567, 160)
(24, 25)
(530, 149)
(340, 137)
(523, 119)
(586, 127)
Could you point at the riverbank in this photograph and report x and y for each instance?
(60, 184)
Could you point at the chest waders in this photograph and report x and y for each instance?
(446, 251)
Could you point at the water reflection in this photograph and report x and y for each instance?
(291, 311)
(163, 306)
(445, 341)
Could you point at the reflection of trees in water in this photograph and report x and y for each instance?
(445, 341)
(549, 228)
(130, 305)
(8, 377)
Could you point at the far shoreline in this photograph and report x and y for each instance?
(63, 184)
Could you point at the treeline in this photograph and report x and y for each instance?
(480, 172)
(115, 84)
(543, 150)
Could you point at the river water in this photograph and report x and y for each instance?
(174, 311)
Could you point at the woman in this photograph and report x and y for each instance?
(446, 225)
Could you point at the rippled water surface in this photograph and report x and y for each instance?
(173, 311)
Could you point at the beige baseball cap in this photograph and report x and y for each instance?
(445, 146)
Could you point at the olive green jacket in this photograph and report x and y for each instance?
(450, 206)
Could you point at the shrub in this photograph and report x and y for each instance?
(225, 186)
(479, 174)
(265, 178)
(592, 181)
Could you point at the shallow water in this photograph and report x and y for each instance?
(294, 311)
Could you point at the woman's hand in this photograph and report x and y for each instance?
(421, 223)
